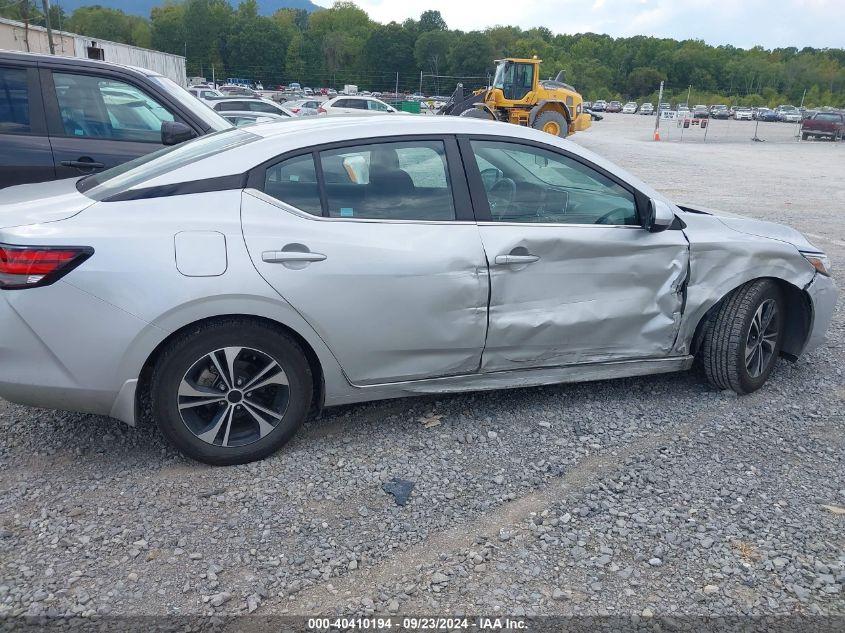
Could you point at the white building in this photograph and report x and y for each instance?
(17, 36)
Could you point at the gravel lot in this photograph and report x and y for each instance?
(636, 497)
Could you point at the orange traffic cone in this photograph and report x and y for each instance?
(656, 135)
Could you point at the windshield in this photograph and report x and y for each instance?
(828, 116)
(123, 177)
(213, 120)
(514, 80)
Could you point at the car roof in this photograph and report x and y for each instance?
(81, 62)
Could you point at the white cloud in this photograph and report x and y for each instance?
(799, 23)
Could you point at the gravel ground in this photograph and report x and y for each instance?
(641, 497)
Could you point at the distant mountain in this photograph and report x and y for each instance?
(143, 7)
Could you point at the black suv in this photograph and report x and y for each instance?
(64, 116)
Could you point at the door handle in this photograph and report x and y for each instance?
(82, 164)
(281, 257)
(508, 260)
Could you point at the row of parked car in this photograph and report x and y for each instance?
(246, 106)
(783, 113)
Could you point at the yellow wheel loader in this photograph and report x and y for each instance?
(519, 96)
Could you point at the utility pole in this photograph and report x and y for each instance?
(49, 30)
(657, 120)
(421, 82)
(689, 92)
(397, 86)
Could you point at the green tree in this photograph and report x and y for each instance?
(432, 21)
(470, 54)
(643, 80)
(110, 24)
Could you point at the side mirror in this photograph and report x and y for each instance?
(660, 216)
(174, 132)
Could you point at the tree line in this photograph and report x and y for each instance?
(340, 45)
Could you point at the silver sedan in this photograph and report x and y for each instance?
(250, 277)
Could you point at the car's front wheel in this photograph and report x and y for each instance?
(231, 392)
(742, 341)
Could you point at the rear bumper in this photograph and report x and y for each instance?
(61, 348)
(823, 295)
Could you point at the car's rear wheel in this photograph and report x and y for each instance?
(231, 392)
(742, 341)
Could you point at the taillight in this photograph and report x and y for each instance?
(33, 266)
(294, 110)
(321, 110)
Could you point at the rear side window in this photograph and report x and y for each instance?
(14, 101)
(294, 181)
(99, 107)
(389, 181)
(260, 106)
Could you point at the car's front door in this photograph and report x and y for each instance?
(573, 276)
(375, 245)
(99, 121)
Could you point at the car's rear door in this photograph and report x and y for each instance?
(25, 155)
(375, 244)
(573, 276)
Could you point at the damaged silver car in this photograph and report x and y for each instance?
(249, 277)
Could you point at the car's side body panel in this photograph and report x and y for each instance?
(394, 300)
(596, 293)
(722, 259)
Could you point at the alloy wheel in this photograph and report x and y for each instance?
(233, 396)
(762, 339)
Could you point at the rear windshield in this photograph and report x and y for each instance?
(128, 175)
(828, 116)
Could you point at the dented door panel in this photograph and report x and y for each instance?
(595, 293)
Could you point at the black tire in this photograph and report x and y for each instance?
(476, 113)
(804, 136)
(551, 116)
(181, 356)
(723, 350)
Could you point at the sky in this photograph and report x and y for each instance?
(743, 23)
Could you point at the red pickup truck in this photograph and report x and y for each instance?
(824, 124)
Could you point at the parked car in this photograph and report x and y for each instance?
(700, 112)
(683, 112)
(614, 106)
(331, 92)
(594, 116)
(240, 119)
(249, 105)
(743, 114)
(647, 108)
(293, 295)
(308, 91)
(720, 111)
(66, 116)
(766, 114)
(230, 90)
(295, 86)
(830, 125)
(788, 114)
(664, 105)
(358, 105)
(304, 107)
(599, 106)
(629, 108)
(203, 93)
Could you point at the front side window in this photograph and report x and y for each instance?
(294, 182)
(530, 184)
(406, 180)
(98, 107)
(14, 101)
